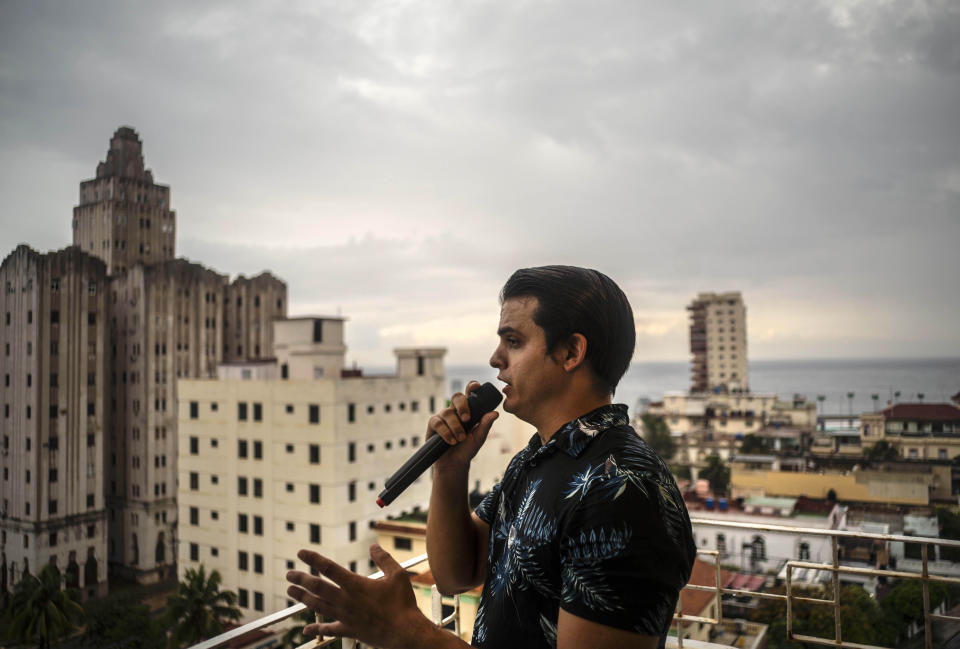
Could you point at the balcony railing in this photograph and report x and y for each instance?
(833, 602)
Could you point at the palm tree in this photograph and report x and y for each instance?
(199, 608)
(40, 611)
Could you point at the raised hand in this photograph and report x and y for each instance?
(381, 612)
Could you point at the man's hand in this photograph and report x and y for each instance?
(381, 612)
(448, 424)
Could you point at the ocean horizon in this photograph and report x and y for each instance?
(937, 379)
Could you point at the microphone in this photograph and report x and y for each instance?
(480, 401)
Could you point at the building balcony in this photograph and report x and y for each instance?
(926, 570)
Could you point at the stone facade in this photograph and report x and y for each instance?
(54, 338)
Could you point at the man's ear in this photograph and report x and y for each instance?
(575, 352)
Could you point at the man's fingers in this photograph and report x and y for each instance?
(320, 587)
(314, 603)
(440, 427)
(327, 629)
(459, 403)
(329, 569)
(384, 560)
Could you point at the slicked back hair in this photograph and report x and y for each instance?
(580, 300)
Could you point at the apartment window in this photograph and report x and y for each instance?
(194, 552)
(258, 563)
(353, 530)
(194, 480)
(242, 411)
(257, 600)
(257, 450)
(243, 560)
(91, 409)
(52, 506)
(90, 501)
(257, 488)
(242, 523)
(352, 491)
(351, 452)
(242, 448)
(318, 331)
(257, 411)
(289, 487)
(242, 486)
(314, 493)
(52, 475)
(194, 516)
(54, 317)
(402, 544)
(314, 417)
(194, 410)
(194, 445)
(284, 371)
(243, 597)
(314, 533)
(289, 448)
(214, 552)
(290, 526)
(351, 412)
(314, 454)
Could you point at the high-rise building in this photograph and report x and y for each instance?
(272, 460)
(164, 326)
(123, 216)
(54, 337)
(718, 342)
(95, 339)
(250, 307)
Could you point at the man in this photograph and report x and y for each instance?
(584, 543)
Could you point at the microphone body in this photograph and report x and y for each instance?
(480, 401)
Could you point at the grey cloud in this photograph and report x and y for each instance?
(407, 155)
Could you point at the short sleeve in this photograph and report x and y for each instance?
(488, 505)
(623, 560)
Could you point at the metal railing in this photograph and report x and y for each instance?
(834, 567)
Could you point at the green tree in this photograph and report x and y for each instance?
(717, 474)
(40, 611)
(199, 608)
(882, 451)
(752, 444)
(657, 436)
(681, 471)
(120, 621)
(861, 619)
(904, 603)
(949, 529)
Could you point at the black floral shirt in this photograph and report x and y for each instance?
(592, 522)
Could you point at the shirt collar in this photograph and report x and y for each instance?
(574, 436)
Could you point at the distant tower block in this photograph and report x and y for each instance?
(123, 216)
(718, 342)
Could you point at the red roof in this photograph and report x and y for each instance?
(923, 412)
(692, 602)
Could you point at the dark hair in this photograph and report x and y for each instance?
(580, 300)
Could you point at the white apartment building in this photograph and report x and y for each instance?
(718, 342)
(274, 460)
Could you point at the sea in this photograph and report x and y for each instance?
(873, 383)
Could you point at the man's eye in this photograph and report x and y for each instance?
(513, 342)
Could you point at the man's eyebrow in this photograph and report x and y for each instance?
(502, 331)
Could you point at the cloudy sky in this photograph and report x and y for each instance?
(395, 161)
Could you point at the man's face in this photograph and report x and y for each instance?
(531, 375)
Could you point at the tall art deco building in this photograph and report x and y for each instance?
(95, 337)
